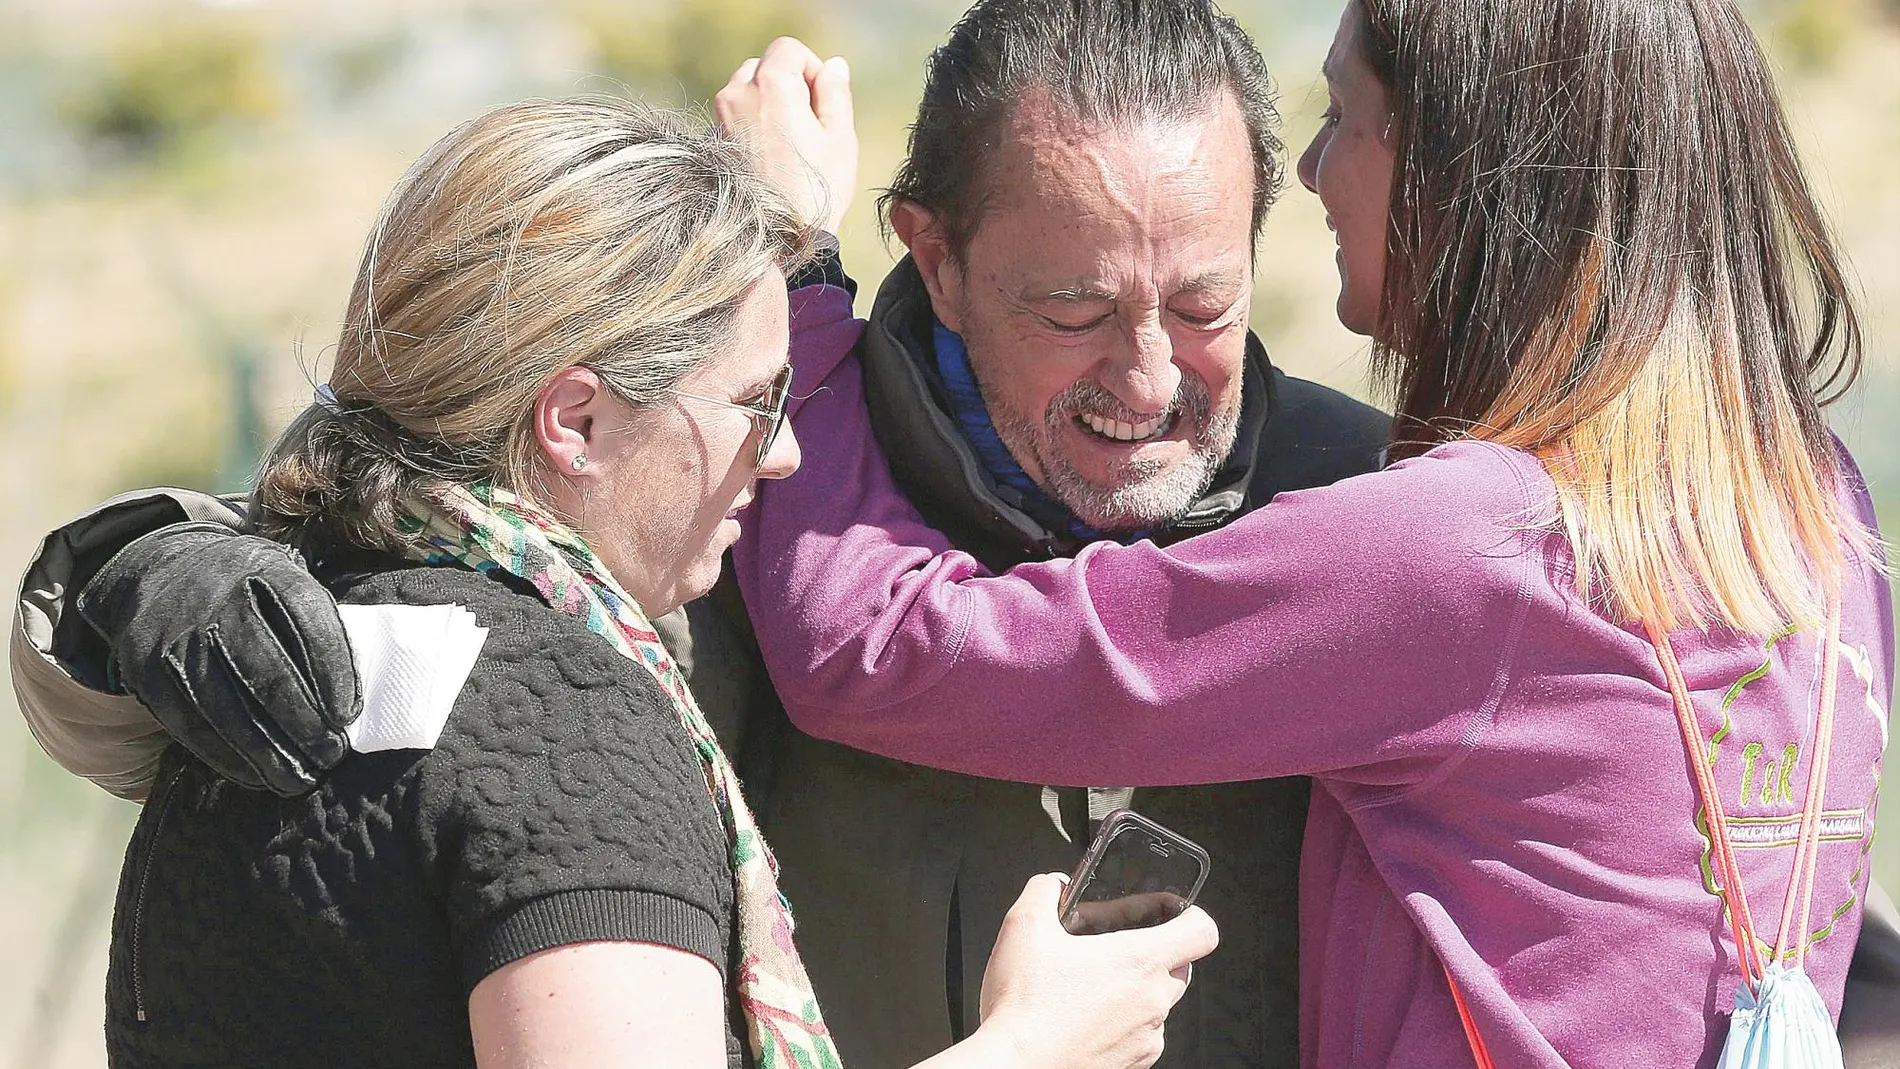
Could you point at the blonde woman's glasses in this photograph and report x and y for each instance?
(767, 409)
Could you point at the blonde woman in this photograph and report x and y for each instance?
(562, 372)
(1593, 681)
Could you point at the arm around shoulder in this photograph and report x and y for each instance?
(1273, 646)
(60, 667)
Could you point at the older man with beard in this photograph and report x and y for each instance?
(1063, 356)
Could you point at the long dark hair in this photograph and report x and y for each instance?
(1604, 250)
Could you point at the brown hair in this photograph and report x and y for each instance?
(1604, 251)
(540, 236)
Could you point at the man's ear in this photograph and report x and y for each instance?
(918, 228)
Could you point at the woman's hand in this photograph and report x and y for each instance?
(794, 109)
(1086, 1001)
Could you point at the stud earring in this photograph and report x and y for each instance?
(579, 462)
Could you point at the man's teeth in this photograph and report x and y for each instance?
(1127, 432)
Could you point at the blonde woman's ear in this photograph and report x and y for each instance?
(567, 420)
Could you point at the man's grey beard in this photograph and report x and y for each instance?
(1150, 494)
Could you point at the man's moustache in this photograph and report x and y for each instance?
(1087, 398)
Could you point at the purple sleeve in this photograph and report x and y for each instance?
(1342, 629)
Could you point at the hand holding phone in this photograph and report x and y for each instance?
(1062, 1002)
(1136, 874)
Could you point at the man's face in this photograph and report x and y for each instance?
(1104, 301)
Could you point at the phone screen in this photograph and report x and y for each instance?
(1141, 875)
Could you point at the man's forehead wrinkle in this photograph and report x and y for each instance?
(1072, 161)
(1104, 104)
(1148, 179)
(1122, 212)
(1040, 116)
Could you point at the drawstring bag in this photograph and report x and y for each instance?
(1780, 1021)
(1783, 1025)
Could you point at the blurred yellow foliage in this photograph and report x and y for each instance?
(1812, 33)
(689, 47)
(9, 344)
(161, 86)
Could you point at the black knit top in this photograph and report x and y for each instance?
(563, 803)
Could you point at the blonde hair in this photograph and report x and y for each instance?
(1686, 498)
(537, 237)
(1604, 251)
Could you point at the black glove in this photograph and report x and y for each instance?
(235, 648)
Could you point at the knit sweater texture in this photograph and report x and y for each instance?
(563, 803)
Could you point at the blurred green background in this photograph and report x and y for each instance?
(184, 188)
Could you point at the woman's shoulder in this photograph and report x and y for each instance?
(498, 667)
(507, 606)
(559, 767)
(398, 613)
(475, 669)
(1460, 506)
(1855, 489)
(1474, 471)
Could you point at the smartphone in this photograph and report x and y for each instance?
(1137, 874)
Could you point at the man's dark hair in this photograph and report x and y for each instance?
(1106, 60)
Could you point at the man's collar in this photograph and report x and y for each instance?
(933, 459)
(972, 413)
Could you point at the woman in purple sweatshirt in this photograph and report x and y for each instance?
(1594, 277)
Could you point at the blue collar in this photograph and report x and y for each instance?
(973, 419)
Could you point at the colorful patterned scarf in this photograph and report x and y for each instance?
(487, 529)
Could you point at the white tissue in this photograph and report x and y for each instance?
(411, 662)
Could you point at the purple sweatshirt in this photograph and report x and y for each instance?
(1500, 785)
